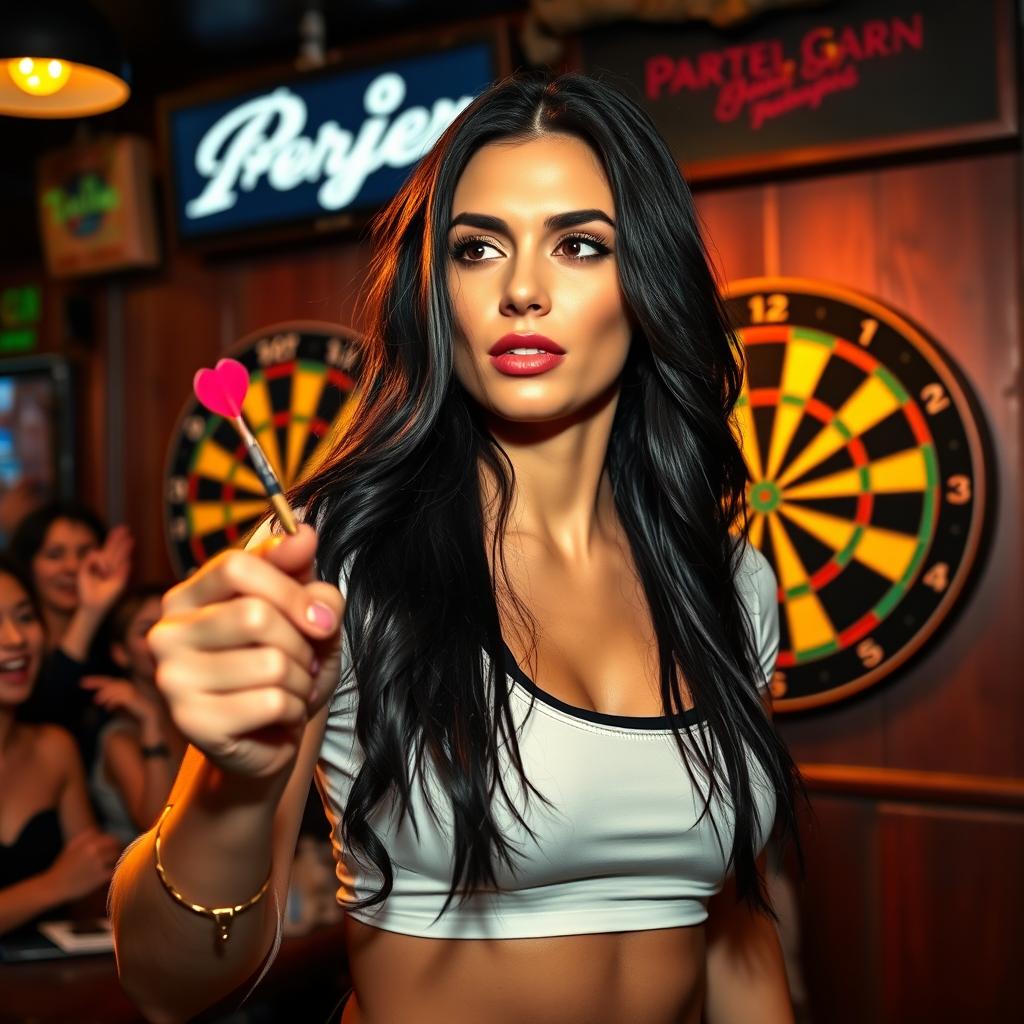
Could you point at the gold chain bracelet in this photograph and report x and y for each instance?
(221, 916)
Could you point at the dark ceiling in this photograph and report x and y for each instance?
(173, 43)
(177, 43)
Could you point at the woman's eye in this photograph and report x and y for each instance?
(573, 244)
(471, 251)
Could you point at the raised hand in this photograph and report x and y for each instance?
(104, 572)
(86, 862)
(115, 694)
(247, 651)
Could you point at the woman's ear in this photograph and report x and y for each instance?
(120, 655)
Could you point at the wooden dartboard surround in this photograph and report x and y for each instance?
(869, 486)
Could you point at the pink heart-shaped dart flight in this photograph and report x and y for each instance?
(223, 389)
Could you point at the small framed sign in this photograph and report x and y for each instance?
(846, 81)
(96, 208)
(293, 152)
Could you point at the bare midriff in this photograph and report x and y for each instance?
(638, 977)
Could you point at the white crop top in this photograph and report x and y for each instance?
(619, 849)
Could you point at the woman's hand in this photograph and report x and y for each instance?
(104, 572)
(247, 651)
(115, 694)
(86, 862)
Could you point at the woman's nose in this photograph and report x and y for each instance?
(525, 291)
(11, 634)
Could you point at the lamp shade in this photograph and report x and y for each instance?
(58, 58)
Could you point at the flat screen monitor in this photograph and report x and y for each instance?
(36, 452)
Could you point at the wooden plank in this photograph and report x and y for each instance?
(902, 784)
(952, 897)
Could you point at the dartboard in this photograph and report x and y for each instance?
(300, 376)
(869, 479)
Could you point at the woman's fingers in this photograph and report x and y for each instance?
(237, 648)
(238, 623)
(197, 673)
(314, 609)
(217, 722)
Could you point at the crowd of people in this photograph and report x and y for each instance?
(87, 751)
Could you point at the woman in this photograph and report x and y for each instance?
(50, 849)
(78, 570)
(561, 649)
(139, 749)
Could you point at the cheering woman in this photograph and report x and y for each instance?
(521, 638)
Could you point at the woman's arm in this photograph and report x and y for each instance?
(143, 782)
(247, 656)
(73, 806)
(746, 973)
(101, 579)
(224, 835)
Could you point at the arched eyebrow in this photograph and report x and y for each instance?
(556, 222)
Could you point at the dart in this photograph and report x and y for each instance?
(222, 390)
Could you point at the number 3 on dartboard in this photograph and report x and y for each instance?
(959, 492)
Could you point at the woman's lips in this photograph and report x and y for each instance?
(513, 365)
(16, 671)
(537, 354)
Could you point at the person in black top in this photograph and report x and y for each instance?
(51, 851)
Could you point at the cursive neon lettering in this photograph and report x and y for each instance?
(264, 139)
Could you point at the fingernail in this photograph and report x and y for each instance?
(314, 669)
(320, 615)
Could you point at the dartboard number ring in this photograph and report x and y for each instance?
(868, 462)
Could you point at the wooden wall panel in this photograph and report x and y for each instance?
(170, 327)
(826, 229)
(839, 912)
(733, 224)
(320, 283)
(952, 897)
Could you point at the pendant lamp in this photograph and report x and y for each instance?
(58, 58)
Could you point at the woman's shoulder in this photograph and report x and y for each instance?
(52, 738)
(53, 747)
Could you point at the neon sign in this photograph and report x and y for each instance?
(316, 146)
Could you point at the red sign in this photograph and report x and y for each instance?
(762, 80)
(812, 86)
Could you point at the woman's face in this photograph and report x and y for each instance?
(21, 643)
(56, 564)
(134, 654)
(532, 254)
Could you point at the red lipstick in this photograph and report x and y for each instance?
(537, 354)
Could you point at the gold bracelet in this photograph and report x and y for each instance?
(221, 916)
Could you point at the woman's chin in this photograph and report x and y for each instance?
(61, 603)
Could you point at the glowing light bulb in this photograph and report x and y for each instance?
(38, 76)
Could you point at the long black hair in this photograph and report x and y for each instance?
(397, 497)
